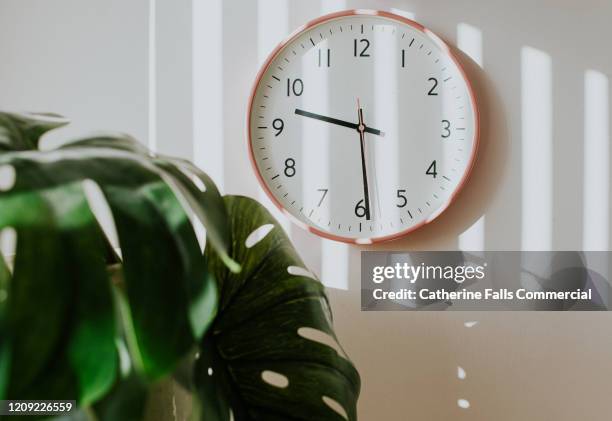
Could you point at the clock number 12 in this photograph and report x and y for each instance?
(366, 45)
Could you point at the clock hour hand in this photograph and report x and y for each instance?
(338, 122)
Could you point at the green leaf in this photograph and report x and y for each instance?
(5, 277)
(60, 312)
(211, 215)
(118, 141)
(165, 275)
(125, 402)
(22, 131)
(171, 300)
(274, 323)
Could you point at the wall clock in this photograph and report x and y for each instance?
(362, 126)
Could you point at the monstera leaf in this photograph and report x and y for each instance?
(110, 291)
(59, 335)
(271, 353)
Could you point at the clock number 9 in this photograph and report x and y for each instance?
(360, 209)
(278, 125)
(297, 87)
(289, 167)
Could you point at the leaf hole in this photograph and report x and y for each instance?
(125, 364)
(8, 176)
(298, 271)
(102, 212)
(8, 246)
(197, 181)
(335, 406)
(257, 235)
(321, 337)
(275, 379)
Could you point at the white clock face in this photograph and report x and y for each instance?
(362, 126)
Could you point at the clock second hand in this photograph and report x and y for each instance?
(361, 129)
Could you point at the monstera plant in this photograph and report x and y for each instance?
(111, 291)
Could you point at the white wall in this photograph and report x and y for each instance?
(542, 180)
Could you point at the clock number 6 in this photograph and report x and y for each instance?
(360, 209)
(289, 167)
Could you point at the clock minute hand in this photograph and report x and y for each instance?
(338, 122)
(361, 129)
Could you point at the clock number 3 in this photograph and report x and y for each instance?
(446, 129)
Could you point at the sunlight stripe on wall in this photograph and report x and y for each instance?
(152, 77)
(403, 13)
(334, 255)
(207, 44)
(272, 28)
(596, 203)
(537, 149)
